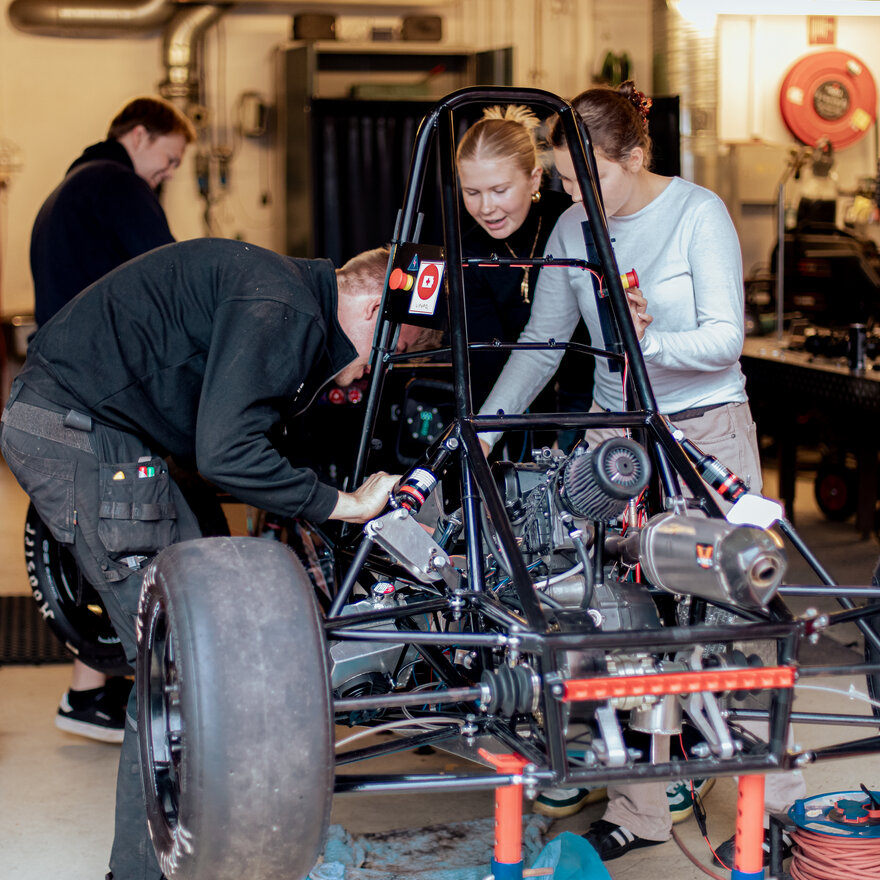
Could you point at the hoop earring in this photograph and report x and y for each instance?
(536, 197)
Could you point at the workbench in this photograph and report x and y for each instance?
(784, 385)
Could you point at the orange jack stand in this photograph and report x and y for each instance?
(748, 860)
(507, 861)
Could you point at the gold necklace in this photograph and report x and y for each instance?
(524, 287)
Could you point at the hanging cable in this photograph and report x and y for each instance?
(691, 857)
(700, 817)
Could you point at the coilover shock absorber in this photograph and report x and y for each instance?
(720, 477)
(414, 487)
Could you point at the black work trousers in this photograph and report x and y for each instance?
(108, 497)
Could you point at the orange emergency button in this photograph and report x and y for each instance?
(629, 279)
(400, 280)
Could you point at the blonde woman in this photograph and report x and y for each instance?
(501, 172)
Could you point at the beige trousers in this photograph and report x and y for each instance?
(729, 434)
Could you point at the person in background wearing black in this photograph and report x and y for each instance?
(500, 172)
(104, 212)
(202, 350)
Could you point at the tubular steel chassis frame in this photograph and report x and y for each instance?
(528, 633)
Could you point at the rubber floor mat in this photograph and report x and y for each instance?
(25, 638)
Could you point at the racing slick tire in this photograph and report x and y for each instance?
(234, 712)
(68, 603)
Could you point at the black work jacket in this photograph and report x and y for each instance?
(99, 216)
(203, 348)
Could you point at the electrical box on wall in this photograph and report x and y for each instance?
(314, 26)
(422, 28)
(252, 115)
(755, 168)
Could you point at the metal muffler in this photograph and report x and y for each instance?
(709, 558)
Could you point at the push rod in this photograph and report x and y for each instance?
(809, 718)
(420, 698)
(831, 592)
(398, 744)
(339, 600)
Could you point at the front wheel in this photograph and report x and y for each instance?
(234, 712)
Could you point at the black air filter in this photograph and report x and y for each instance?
(599, 483)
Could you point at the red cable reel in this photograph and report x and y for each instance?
(829, 94)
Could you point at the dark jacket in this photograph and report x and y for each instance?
(99, 216)
(495, 305)
(496, 308)
(203, 348)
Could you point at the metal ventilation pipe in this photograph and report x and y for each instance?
(89, 18)
(181, 46)
(686, 64)
(181, 51)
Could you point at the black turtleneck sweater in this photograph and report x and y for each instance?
(496, 309)
(101, 215)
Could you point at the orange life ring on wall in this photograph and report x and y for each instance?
(831, 95)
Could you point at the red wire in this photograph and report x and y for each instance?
(716, 856)
(693, 797)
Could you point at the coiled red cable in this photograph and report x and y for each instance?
(825, 857)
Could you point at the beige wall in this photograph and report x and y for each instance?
(58, 94)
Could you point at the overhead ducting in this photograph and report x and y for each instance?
(181, 47)
(89, 18)
(184, 30)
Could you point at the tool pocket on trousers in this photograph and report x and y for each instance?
(137, 512)
(49, 483)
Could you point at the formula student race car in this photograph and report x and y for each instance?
(544, 608)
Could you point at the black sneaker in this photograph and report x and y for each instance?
(612, 841)
(726, 853)
(98, 714)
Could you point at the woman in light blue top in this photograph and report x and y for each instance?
(689, 318)
(688, 310)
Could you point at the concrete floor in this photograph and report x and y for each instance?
(56, 789)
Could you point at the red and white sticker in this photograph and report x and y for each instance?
(427, 288)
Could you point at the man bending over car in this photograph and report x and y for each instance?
(200, 350)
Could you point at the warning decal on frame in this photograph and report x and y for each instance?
(423, 300)
(417, 287)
